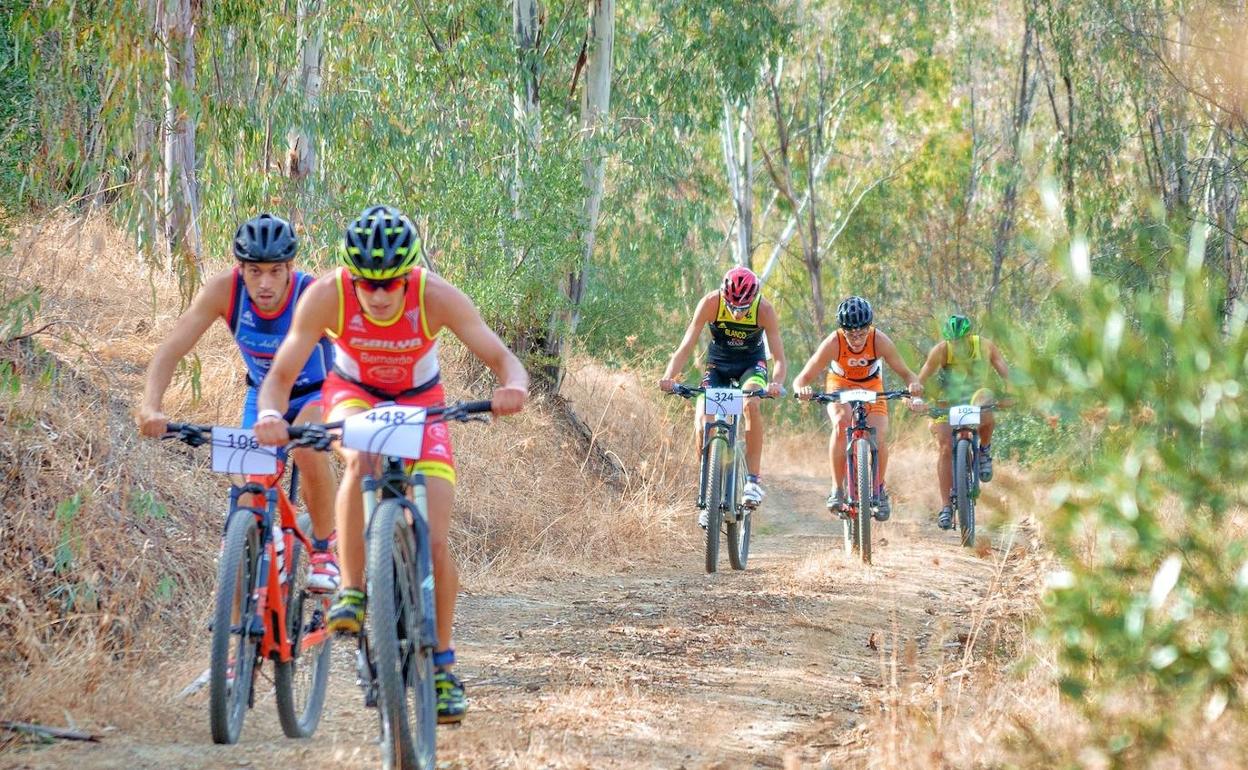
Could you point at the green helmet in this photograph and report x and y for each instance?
(956, 327)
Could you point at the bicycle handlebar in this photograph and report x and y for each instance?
(941, 407)
(189, 433)
(318, 435)
(684, 391)
(835, 396)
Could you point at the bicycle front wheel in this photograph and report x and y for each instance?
(234, 625)
(863, 483)
(300, 682)
(964, 484)
(739, 530)
(715, 477)
(406, 700)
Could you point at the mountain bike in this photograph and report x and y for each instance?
(964, 421)
(263, 608)
(722, 473)
(394, 657)
(861, 465)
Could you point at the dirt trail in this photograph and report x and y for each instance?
(658, 666)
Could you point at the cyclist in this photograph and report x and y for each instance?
(257, 299)
(853, 357)
(738, 319)
(962, 360)
(384, 314)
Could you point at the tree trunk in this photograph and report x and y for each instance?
(738, 143)
(526, 107)
(1003, 234)
(180, 185)
(595, 108)
(300, 162)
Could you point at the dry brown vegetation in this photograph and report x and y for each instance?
(112, 539)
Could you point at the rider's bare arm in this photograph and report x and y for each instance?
(770, 321)
(703, 315)
(211, 303)
(317, 311)
(447, 306)
(888, 351)
(828, 350)
(935, 360)
(997, 360)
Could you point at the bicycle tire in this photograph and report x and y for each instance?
(714, 499)
(404, 666)
(963, 467)
(739, 530)
(305, 611)
(229, 697)
(864, 487)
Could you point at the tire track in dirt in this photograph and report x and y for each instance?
(659, 665)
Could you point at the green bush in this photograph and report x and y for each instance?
(1148, 614)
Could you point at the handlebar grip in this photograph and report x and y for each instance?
(477, 407)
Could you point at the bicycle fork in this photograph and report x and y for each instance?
(851, 494)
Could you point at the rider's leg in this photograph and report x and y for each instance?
(880, 423)
(986, 423)
(753, 436)
(840, 421)
(986, 418)
(317, 484)
(440, 493)
(944, 468)
(316, 478)
(349, 508)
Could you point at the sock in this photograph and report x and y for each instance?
(444, 658)
(985, 449)
(752, 477)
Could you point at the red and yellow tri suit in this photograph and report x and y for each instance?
(395, 360)
(858, 369)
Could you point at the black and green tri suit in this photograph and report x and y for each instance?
(737, 352)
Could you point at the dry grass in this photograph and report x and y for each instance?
(136, 552)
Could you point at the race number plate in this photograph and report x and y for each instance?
(965, 416)
(236, 450)
(724, 402)
(865, 396)
(397, 431)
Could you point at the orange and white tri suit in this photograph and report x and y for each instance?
(395, 360)
(862, 369)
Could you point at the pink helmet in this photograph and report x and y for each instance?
(740, 286)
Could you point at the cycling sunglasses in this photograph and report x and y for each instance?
(388, 284)
(738, 309)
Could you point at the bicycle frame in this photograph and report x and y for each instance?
(274, 584)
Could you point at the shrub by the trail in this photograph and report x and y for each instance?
(1149, 614)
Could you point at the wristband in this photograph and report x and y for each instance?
(263, 413)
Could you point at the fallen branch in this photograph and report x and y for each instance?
(43, 731)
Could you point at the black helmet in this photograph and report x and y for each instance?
(265, 238)
(381, 244)
(854, 313)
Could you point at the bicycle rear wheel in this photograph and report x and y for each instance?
(234, 645)
(863, 486)
(405, 696)
(714, 499)
(964, 485)
(301, 681)
(739, 530)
